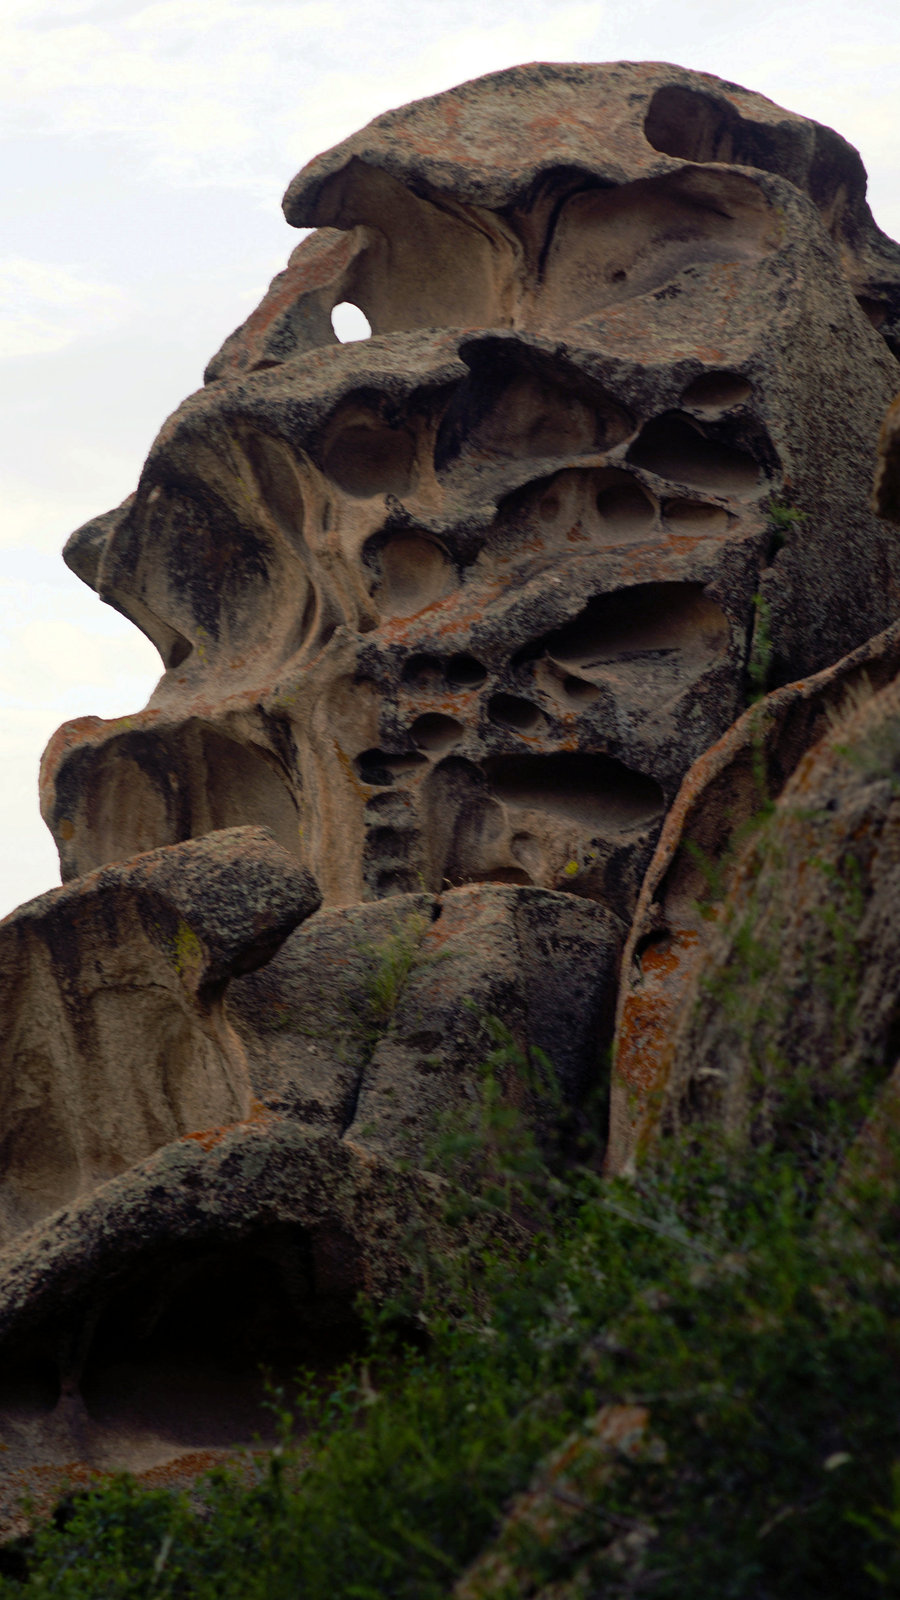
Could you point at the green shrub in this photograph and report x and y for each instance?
(764, 1339)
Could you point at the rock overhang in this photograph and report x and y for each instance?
(492, 140)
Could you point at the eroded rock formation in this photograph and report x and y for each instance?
(762, 971)
(463, 601)
(450, 612)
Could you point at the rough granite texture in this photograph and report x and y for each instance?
(446, 616)
(812, 888)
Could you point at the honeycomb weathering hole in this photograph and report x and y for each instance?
(415, 572)
(717, 391)
(464, 672)
(423, 672)
(614, 244)
(146, 789)
(436, 732)
(634, 624)
(177, 1353)
(689, 125)
(380, 768)
(627, 512)
(367, 457)
(693, 126)
(506, 410)
(673, 448)
(695, 517)
(508, 711)
(594, 791)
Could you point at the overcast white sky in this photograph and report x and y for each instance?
(145, 148)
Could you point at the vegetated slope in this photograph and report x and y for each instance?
(754, 1335)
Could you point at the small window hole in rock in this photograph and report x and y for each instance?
(350, 324)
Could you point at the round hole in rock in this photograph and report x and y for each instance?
(436, 732)
(415, 572)
(508, 711)
(674, 448)
(626, 510)
(350, 323)
(695, 517)
(717, 391)
(423, 672)
(464, 672)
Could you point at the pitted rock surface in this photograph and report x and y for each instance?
(463, 601)
(450, 612)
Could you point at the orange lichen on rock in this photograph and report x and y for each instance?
(257, 1116)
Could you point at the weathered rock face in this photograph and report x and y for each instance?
(112, 1031)
(761, 980)
(371, 1021)
(135, 1322)
(449, 612)
(765, 975)
(462, 602)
